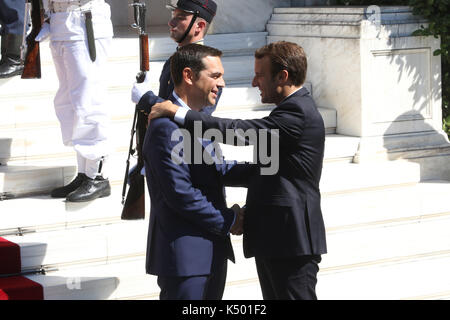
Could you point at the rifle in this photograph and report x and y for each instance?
(30, 52)
(134, 204)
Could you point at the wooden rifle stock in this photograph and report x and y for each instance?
(134, 204)
(145, 54)
(32, 64)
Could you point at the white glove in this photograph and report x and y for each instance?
(139, 89)
(44, 33)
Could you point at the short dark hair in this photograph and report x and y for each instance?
(286, 56)
(190, 56)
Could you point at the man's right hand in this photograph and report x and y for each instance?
(163, 109)
(238, 227)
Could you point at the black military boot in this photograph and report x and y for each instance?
(90, 189)
(62, 192)
(3, 46)
(11, 65)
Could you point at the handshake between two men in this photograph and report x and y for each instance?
(238, 227)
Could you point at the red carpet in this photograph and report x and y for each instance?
(20, 288)
(15, 287)
(9, 257)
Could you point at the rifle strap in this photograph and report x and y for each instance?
(194, 17)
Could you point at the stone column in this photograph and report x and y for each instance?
(384, 83)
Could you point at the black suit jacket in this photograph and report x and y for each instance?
(283, 215)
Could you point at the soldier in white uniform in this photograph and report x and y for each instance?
(80, 34)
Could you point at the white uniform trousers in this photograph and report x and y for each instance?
(81, 101)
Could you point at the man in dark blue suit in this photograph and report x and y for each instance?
(283, 226)
(188, 240)
(11, 21)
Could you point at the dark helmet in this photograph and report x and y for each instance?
(205, 9)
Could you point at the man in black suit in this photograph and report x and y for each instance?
(283, 225)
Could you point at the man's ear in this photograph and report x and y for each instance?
(188, 75)
(201, 25)
(283, 76)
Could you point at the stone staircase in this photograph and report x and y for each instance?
(386, 228)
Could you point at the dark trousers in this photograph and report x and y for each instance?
(293, 278)
(207, 287)
(12, 15)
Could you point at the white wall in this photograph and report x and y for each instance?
(232, 15)
(244, 16)
(122, 14)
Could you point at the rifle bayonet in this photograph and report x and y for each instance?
(134, 202)
(140, 10)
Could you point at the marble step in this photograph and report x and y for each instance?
(39, 174)
(350, 12)
(400, 278)
(104, 244)
(389, 205)
(405, 278)
(369, 208)
(340, 22)
(44, 144)
(23, 112)
(125, 43)
(121, 74)
(111, 243)
(41, 213)
(416, 277)
(337, 177)
(387, 241)
(387, 226)
(340, 14)
(161, 46)
(25, 144)
(26, 180)
(105, 282)
(349, 177)
(124, 60)
(317, 29)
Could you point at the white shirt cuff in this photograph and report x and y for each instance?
(180, 115)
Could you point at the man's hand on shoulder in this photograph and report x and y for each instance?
(163, 109)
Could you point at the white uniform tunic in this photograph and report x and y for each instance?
(81, 100)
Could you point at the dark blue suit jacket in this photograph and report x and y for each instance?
(189, 219)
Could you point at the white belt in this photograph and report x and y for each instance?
(72, 5)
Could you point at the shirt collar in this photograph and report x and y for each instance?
(201, 41)
(293, 93)
(181, 102)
